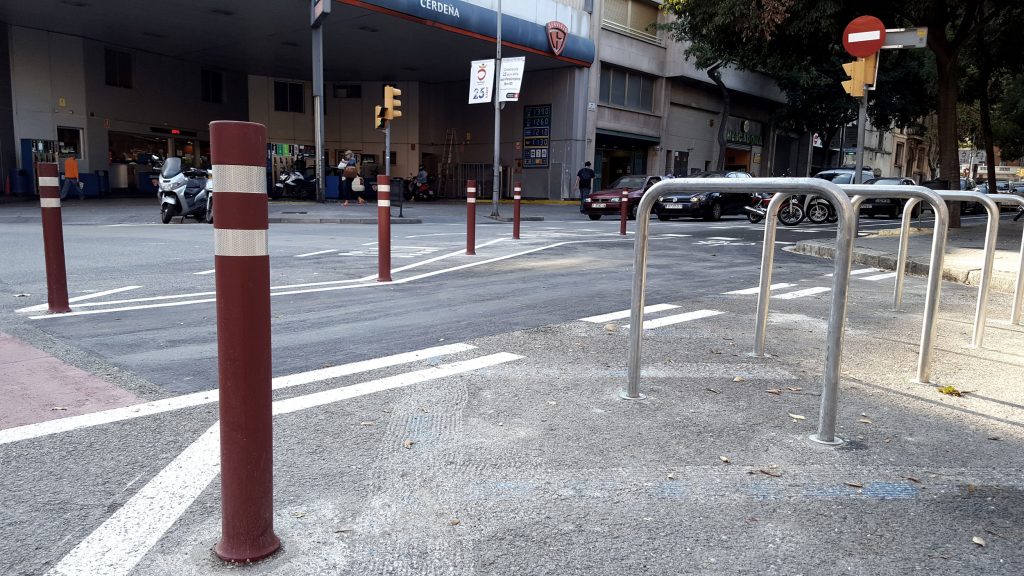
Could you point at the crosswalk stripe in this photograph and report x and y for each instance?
(210, 396)
(757, 289)
(877, 277)
(625, 313)
(679, 318)
(859, 272)
(802, 293)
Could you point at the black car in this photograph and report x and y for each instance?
(888, 206)
(706, 205)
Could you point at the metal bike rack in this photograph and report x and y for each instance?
(991, 233)
(914, 194)
(783, 188)
(1018, 291)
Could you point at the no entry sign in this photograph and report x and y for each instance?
(864, 36)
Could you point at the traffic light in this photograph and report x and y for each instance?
(380, 120)
(856, 70)
(391, 105)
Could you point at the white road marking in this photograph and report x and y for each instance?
(729, 238)
(625, 313)
(204, 272)
(877, 277)
(675, 235)
(41, 307)
(859, 272)
(117, 545)
(678, 318)
(438, 234)
(757, 289)
(211, 396)
(802, 293)
(308, 254)
(779, 243)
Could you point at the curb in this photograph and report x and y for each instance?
(341, 221)
(1004, 282)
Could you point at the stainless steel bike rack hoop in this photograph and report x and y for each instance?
(783, 188)
(991, 234)
(1018, 291)
(914, 194)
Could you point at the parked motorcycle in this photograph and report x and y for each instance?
(758, 206)
(185, 192)
(1020, 212)
(819, 210)
(792, 212)
(294, 184)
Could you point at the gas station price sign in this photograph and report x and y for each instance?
(536, 136)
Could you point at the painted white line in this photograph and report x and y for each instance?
(117, 545)
(122, 540)
(211, 396)
(802, 293)
(757, 289)
(721, 238)
(625, 313)
(122, 309)
(859, 272)
(778, 243)
(678, 318)
(41, 307)
(308, 254)
(878, 277)
(204, 272)
(675, 235)
(439, 234)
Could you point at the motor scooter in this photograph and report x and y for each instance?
(185, 193)
(424, 191)
(294, 184)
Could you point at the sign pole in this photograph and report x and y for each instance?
(862, 120)
(496, 183)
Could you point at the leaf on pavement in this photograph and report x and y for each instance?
(912, 479)
(713, 390)
(366, 423)
(611, 327)
(407, 444)
(770, 472)
(725, 459)
(671, 476)
(796, 416)
(979, 541)
(739, 379)
(854, 484)
(865, 421)
(794, 388)
(950, 391)
(58, 408)
(775, 391)
(455, 521)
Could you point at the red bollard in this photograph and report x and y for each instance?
(471, 217)
(623, 211)
(238, 153)
(517, 196)
(53, 239)
(383, 228)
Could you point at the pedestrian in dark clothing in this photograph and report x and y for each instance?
(584, 181)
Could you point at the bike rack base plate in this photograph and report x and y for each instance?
(624, 394)
(835, 442)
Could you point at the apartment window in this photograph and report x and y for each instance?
(118, 68)
(899, 155)
(626, 88)
(213, 86)
(633, 17)
(288, 97)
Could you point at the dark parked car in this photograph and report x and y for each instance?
(888, 206)
(609, 200)
(706, 205)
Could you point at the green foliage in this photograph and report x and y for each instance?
(1008, 119)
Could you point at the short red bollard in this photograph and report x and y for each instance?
(242, 263)
(53, 239)
(383, 228)
(623, 212)
(471, 217)
(517, 197)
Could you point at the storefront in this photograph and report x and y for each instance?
(744, 145)
(618, 154)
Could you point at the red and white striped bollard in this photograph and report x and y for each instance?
(623, 210)
(242, 263)
(383, 228)
(517, 196)
(470, 217)
(53, 239)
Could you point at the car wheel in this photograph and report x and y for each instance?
(714, 213)
(594, 216)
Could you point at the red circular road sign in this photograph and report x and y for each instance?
(864, 36)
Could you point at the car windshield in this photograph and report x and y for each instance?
(629, 182)
(837, 177)
(887, 181)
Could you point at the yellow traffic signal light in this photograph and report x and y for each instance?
(380, 121)
(856, 71)
(391, 105)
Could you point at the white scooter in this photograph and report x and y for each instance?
(185, 192)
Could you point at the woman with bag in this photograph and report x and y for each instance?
(349, 173)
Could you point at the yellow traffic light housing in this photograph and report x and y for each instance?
(855, 71)
(391, 105)
(380, 120)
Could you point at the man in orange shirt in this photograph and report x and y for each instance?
(71, 179)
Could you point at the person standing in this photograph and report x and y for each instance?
(71, 179)
(584, 181)
(349, 171)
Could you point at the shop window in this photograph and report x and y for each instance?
(69, 141)
(289, 97)
(118, 68)
(213, 86)
(627, 89)
(635, 18)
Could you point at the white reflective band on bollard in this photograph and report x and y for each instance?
(517, 197)
(470, 200)
(49, 181)
(49, 202)
(384, 203)
(471, 189)
(240, 242)
(383, 187)
(242, 179)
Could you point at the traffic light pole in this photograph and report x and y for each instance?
(323, 6)
(862, 121)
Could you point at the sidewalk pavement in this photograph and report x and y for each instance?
(964, 252)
